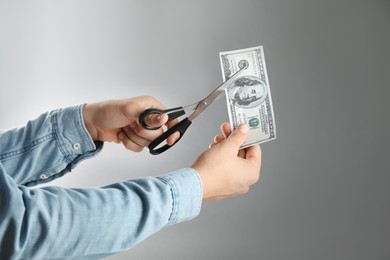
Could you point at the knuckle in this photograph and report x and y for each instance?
(128, 147)
(138, 149)
(135, 148)
(244, 189)
(146, 97)
(254, 178)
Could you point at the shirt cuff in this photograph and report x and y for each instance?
(187, 193)
(74, 140)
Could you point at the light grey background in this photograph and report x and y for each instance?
(324, 191)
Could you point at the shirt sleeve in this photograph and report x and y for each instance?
(61, 223)
(66, 223)
(47, 147)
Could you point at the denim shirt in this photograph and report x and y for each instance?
(75, 223)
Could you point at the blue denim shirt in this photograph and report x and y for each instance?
(66, 223)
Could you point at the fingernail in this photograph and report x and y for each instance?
(243, 128)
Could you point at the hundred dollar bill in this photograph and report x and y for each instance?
(249, 96)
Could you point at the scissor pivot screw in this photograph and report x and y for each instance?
(243, 64)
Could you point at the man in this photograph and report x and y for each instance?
(64, 223)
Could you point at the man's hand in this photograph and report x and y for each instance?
(117, 121)
(224, 169)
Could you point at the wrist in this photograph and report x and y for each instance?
(205, 183)
(88, 121)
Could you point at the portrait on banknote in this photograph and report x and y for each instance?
(247, 92)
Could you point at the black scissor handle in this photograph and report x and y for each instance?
(180, 127)
(172, 113)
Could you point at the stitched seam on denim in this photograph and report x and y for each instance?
(172, 217)
(61, 146)
(27, 148)
(200, 193)
(176, 201)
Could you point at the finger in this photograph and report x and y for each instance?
(254, 153)
(173, 138)
(131, 145)
(218, 138)
(238, 137)
(121, 136)
(226, 129)
(153, 134)
(212, 144)
(176, 135)
(134, 137)
(156, 120)
(141, 132)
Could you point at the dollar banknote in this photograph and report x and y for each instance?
(249, 97)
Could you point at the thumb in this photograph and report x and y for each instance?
(156, 120)
(238, 137)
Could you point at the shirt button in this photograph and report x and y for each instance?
(77, 146)
(43, 176)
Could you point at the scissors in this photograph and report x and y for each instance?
(173, 113)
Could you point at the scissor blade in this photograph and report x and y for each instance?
(204, 103)
(190, 108)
